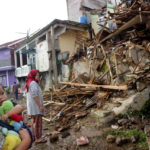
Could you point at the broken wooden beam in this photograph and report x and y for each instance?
(113, 87)
(133, 21)
(54, 103)
(46, 119)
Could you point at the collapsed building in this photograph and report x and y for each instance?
(112, 67)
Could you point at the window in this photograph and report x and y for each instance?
(32, 61)
(18, 59)
(24, 59)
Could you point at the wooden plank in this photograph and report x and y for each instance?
(54, 103)
(135, 45)
(66, 85)
(116, 67)
(103, 51)
(129, 24)
(46, 119)
(111, 75)
(115, 87)
(101, 77)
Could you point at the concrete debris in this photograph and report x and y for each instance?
(134, 139)
(117, 74)
(122, 140)
(82, 141)
(123, 121)
(65, 134)
(54, 138)
(111, 138)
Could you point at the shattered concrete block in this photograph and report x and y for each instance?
(121, 140)
(134, 138)
(145, 57)
(133, 55)
(123, 68)
(123, 121)
(65, 134)
(100, 113)
(147, 132)
(110, 138)
(132, 148)
(54, 138)
(82, 141)
(134, 102)
(140, 86)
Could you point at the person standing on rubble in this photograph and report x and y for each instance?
(35, 106)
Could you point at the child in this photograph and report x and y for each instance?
(24, 133)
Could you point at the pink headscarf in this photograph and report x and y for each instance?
(31, 77)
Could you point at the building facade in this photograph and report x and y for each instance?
(46, 51)
(7, 68)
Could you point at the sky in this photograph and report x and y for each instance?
(19, 16)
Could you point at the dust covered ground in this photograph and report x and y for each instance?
(90, 127)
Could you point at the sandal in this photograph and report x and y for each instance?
(42, 140)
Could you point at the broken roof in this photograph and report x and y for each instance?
(57, 21)
(54, 22)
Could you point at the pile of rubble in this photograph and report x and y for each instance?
(119, 62)
(121, 57)
(72, 103)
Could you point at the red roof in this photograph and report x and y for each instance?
(11, 43)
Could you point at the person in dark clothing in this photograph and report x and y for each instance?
(15, 89)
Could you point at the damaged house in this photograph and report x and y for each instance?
(111, 71)
(89, 11)
(120, 58)
(47, 51)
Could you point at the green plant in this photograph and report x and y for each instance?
(128, 134)
(144, 112)
(104, 68)
(6, 90)
(70, 71)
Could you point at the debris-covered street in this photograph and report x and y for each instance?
(94, 75)
(105, 108)
(123, 132)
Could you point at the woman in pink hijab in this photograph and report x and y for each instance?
(35, 106)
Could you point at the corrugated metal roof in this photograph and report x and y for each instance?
(56, 21)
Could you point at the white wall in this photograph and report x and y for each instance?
(42, 62)
(80, 67)
(94, 4)
(65, 72)
(74, 12)
(73, 6)
(115, 1)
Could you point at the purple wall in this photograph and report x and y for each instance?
(11, 76)
(7, 72)
(3, 78)
(5, 54)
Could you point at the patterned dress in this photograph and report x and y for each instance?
(34, 110)
(34, 91)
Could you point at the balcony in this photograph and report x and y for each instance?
(22, 71)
